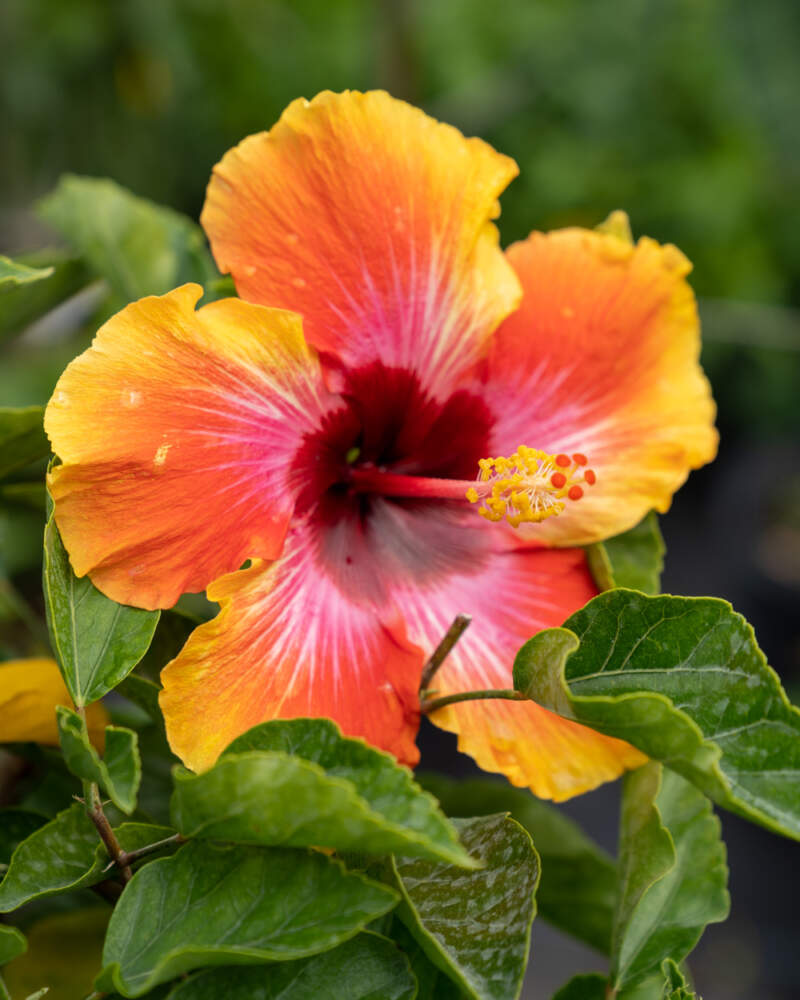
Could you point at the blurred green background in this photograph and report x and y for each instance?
(682, 112)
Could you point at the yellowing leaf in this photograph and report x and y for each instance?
(30, 690)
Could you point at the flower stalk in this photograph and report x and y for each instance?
(429, 705)
(452, 635)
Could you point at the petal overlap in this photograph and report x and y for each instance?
(289, 642)
(372, 220)
(602, 359)
(175, 431)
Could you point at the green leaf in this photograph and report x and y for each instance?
(475, 926)
(365, 968)
(210, 905)
(61, 275)
(12, 944)
(432, 983)
(13, 273)
(119, 772)
(633, 559)
(682, 679)
(587, 986)
(58, 857)
(675, 987)
(97, 641)
(324, 790)
(139, 247)
(16, 825)
(578, 886)
(673, 876)
(22, 437)
(66, 854)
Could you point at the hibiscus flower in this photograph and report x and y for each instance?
(30, 691)
(304, 452)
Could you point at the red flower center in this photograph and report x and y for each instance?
(388, 424)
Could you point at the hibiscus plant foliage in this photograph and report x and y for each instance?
(203, 803)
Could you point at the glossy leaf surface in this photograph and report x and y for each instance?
(475, 926)
(118, 772)
(578, 885)
(210, 905)
(673, 875)
(682, 679)
(16, 825)
(97, 641)
(633, 559)
(301, 783)
(367, 967)
(66, 854)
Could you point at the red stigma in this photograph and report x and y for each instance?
(563, 461)
(579, 459)
(575, 493)
(558, 479)
(590, 477)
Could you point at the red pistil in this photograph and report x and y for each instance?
(389, 484)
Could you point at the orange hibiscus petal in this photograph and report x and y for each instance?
(512, 595)
(371, 220)
(175, 430)
(30, 690)
(287, 642)
(602, 359)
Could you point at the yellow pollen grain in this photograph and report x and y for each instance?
(521, 488)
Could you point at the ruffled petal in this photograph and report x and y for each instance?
(30, 691)
(602, 359)
(176, 430)
(510, 596)
(289, 642)
(371, 220)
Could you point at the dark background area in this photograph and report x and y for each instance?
(682, 112)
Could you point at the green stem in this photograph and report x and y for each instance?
(450, 638)
(107, 835)
(432, 704)
(127, 857)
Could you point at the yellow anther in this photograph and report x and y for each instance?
(530, 485)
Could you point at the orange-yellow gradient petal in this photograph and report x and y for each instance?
(175, 431)
(513, 595)
(372, 220)
(287, 642)
(30, 691)
(602, 359)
